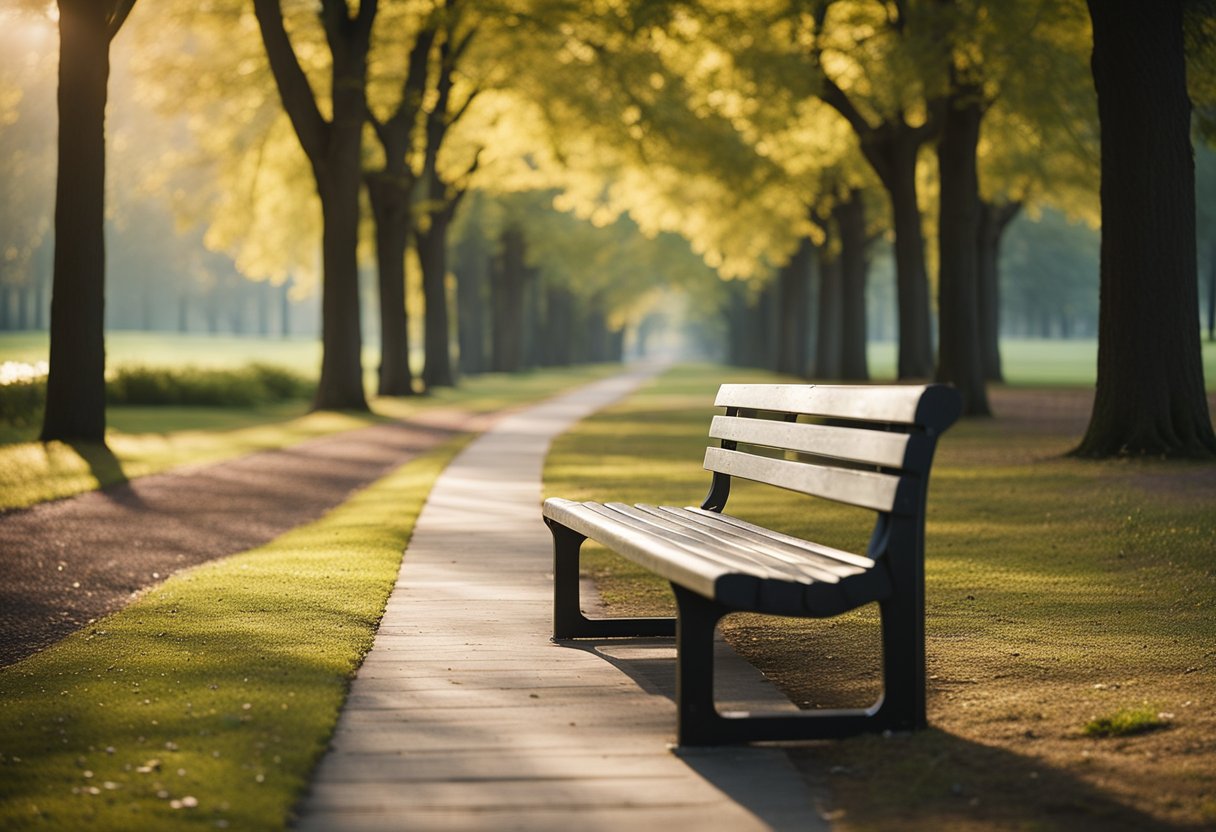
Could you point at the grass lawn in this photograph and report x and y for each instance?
(206, 703)
(1066, 600)
(146, 440)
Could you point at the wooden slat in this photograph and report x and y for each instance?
(764, 551)
(934, 406)
(855, 444)
(818, 548)
(881, 492)
(837, 561)
(719, 551)
(665, 558)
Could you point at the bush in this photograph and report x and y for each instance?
(22, 403)
(250, 385)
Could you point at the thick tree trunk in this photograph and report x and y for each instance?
(391, 213)
(285, 308)
(959, 349)
(994, 219)
(912, 284)
(1212, 293)
(76, 387)
(334, 148)
(1150, 389)
(793, 310)
(507, 301)
(437, 336)
(472, 260)
(828, 316)
(850, 216)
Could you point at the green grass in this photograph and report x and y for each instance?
(1125, 723)
(1056, 589)
(1038, 362)
(148, 440)
(207, 701)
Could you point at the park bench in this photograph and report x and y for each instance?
(867, 446)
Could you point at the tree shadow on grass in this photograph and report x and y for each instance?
(103, 464)
(937, 780)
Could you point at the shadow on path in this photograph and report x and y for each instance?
(68, 562)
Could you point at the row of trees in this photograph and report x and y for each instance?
(778, 139)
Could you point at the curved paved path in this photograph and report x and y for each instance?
(465, 716)
(68, 562)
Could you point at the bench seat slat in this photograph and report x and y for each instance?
(817, 564)
(807, 545)
(881, 492)
(733, 557)
(661, 556)
(855, 444)
(721, 568)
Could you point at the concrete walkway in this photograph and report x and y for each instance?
(465, 716)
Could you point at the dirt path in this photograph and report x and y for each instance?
(68, 562)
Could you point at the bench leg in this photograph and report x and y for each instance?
(700, 723)
(568, 619)
(903, 664)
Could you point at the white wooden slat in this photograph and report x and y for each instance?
(835, 554)
(839, 563)
(855, 444)
(762, 551)
(739, 561)
(666, 559)
(879, 403)
(859, 488)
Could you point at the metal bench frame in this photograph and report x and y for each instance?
(873, 448)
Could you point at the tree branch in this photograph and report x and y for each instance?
(118, 16)
(294, 90)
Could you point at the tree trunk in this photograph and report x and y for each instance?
(508, 290)
(1212, 293)
(76, 386)
(959, 349)
(793, 311)
(285, 309)
(432, 254)
(912, 284)
(391, 213)
(1150, 389)
(828, 318)
(341, 383)
(994, 219)
(334, 149)
(472, 260)
(850, 217)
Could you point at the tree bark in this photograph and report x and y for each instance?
(390, 203)
(1212, 293)
(994, 220)
(471, 266)
(793, 310)
(1150, 389)
(850, 217)
(334, 149)
(828, 315)
(508, 289)
(76, 388)
(959, 349)
(437, 336)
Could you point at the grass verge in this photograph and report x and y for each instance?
(207, 701)
(1058, 590)
(147, 440)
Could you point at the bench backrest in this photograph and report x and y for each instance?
(868, 446)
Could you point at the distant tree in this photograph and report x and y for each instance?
(391, 192)
(1150, 388)
(334, 149)
(76, 387)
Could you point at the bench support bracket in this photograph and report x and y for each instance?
(568, 619)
